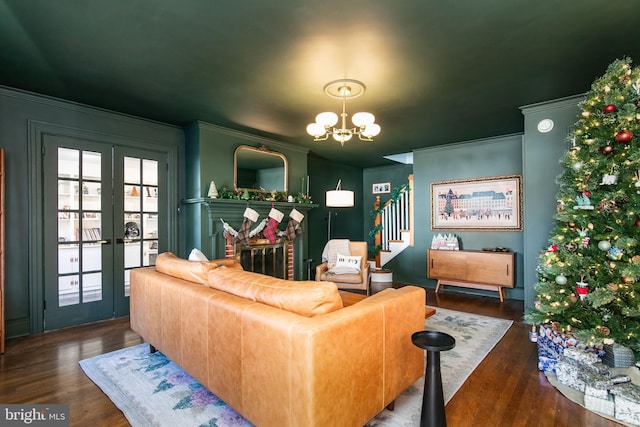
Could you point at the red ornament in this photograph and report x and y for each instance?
(624, 136)
(610, 109)
(637, 222)
(587, 193)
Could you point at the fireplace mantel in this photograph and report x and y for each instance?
(210, 238)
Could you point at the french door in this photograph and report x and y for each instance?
(103, 216)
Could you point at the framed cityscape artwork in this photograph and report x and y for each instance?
(477, 204)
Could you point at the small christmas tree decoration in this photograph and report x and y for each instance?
(561, 280)
(615, 253)
(582, 288)
(604, 245)
(608, 109)
(213, 191)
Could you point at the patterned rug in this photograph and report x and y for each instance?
(152, 391)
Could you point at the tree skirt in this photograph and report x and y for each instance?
(153, 391)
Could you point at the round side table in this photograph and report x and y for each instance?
(433, 414)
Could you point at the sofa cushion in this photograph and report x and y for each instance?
(307, 298)
(193, 271)
(197, 255)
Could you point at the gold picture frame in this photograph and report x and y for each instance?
(477, 204)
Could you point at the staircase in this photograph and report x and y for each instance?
(396, 219)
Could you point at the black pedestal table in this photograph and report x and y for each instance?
(433, 414)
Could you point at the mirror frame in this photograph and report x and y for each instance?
(264, 150)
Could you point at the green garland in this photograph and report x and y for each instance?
(395, 195)
(274, 196)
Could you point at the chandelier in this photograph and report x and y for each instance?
(365, 126)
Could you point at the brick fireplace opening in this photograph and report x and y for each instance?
(261, 256)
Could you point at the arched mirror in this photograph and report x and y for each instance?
(259, 169)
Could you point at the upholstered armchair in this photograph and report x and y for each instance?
(327, 271)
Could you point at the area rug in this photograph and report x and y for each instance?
(152, 391)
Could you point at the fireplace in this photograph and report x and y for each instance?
(264, 257)
(208, 232)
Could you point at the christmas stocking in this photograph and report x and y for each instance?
(250, 217)
(270, 232)
(295, 218)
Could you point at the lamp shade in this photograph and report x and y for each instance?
(316, 130)
(363, 119)
(371, 130)
(339, 199)
(327, 119)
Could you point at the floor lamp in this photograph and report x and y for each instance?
(337, 198)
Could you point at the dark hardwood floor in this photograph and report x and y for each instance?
(506, 389)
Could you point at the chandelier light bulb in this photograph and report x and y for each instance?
(371, 130)
(327, 119)
(363, 119)
(316, 130)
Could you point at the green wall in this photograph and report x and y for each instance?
(541, 153)
(346, 223)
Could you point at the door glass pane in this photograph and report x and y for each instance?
(68, 163)
(92, 257)
(91, 195)
(91, 287)
(132, 170)
(68, 259)
(150, 172)
(150, 226)
(91, 165)
(150, 201)
(79, 226)
(68, 290)
(132, 255)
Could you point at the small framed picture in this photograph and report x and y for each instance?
(381, 188)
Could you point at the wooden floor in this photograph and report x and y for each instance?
(506, 389)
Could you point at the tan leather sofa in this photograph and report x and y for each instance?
(281, 353)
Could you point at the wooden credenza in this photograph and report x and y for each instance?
(472, 269)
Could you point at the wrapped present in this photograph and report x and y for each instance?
(547, 363)
(627, 403)
(605, 406)
(552, 344)
(581, 355)
(569, 374)
(600, 393)
(618, 356)
(596, 384)
(598, 368)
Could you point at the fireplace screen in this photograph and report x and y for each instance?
(264, 258)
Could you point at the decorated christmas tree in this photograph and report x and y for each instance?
(589, 275)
